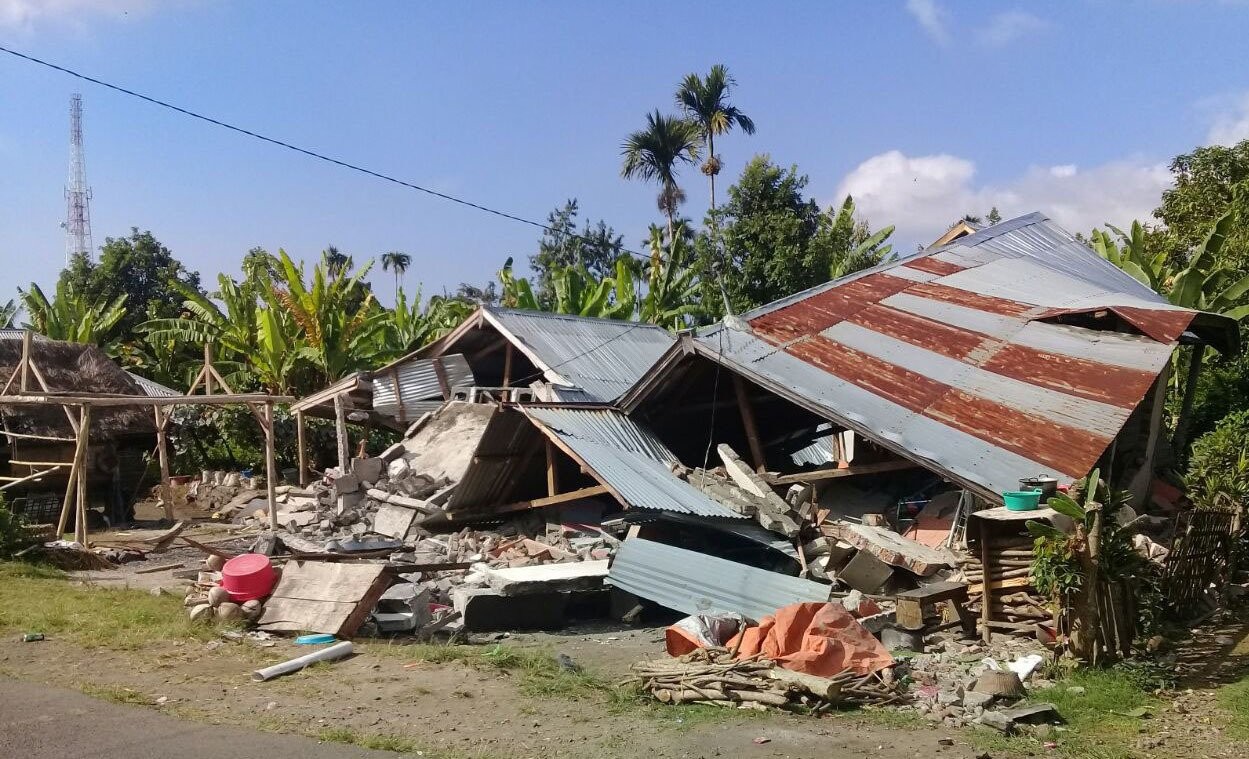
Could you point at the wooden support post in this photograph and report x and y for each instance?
(271, 468)
(444, 384)
(162, 453)
(507, 366)
(79, 483)
(26, 338)
(80, 456)
(748, 421)
(403, 414)
(301, 452)
(340, 432)
(208, 373)
(986, 597)
(552, 474)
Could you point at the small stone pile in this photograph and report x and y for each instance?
(207, 601)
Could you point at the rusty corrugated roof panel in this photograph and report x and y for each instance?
(954, 357)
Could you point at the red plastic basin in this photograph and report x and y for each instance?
(248, 577)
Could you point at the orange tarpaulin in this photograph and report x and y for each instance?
(817, 638)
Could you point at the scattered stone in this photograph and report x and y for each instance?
(214, 562)
(973, 699)
(202, 611)
(995, 720)
(1005, 684)
(229, 611)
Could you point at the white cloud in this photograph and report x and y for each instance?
(923, 195)
(930, 16)
(1231, 124)
(1004, 28)
(26, 14)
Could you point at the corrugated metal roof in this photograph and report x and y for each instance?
(695, 583)
(151, 388)
(602, 358)
(419, 385)
(13, 333)
(947, 357)
(500, 460)
(626, 458)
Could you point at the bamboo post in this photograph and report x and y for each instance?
(84, 435)
(26, 338)
(271, 468)
(162, 453)
(80, 454)
(208, 373)
(301, 452)
(340, 432)
(507, 366)
(986, 597)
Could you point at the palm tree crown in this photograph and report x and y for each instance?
(705, 100)
(653, 154)
(398, 263)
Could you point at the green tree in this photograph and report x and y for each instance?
(398, 263)
(705, 101)
(138, 267)
(777, 242)
(653, 154)
(1205, 186)
(8, 312)
(73, 316)
(596, 247)
(577, 292)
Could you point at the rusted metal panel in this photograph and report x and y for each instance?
(946, 356)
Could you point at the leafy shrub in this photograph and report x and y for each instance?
(14, 534)
(1218, 470)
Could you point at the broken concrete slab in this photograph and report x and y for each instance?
(774, 513)
(543, 578)
(891, 548)
(368, 470)
(866, 573)
(393, 520)
(347, 483)
(484, 609)
(1033, 714)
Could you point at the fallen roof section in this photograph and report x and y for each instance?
(586, 360)
(626, 458)
(953, 358)
(695, 583)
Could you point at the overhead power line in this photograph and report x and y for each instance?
(303, 151)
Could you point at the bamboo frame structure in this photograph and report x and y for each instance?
(260, 404)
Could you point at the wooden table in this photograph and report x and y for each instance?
(911, 605)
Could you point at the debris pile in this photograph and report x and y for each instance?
(716, 676)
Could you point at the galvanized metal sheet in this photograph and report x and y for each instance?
(601, 357)
(419, 386)
(952, 363)
(695, 583)
(151, 388)
(627, 458)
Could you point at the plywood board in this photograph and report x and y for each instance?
(323, 597)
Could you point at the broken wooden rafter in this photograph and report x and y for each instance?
(538, 503)
(834, 472)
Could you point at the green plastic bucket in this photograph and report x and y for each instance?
(1022, 500)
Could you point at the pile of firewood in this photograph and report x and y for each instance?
(714, 676)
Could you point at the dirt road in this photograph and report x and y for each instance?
(44, 722)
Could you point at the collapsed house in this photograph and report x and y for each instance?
(40, 439)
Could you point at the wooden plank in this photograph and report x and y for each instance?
(748, 422)
(1014, 582)
(319, 581)
(301, 615)
(537, 503)
(440, 371)
(986, 590)
(834, 472)
(403, 414)
(507, 365)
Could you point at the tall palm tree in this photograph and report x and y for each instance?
(398, 263)
(705, 101)
(653, 154)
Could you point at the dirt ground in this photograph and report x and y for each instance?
(454, 709)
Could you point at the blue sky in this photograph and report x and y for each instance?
(924, 109)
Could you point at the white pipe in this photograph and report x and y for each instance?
(329, 653)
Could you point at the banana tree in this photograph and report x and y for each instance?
(854, 246)
(8, 312)
(229, 321)
(1127, 250)
(337, 317)
(72, 316)
(671, 298)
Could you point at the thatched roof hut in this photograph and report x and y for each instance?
(72, 367)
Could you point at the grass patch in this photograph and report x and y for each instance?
(115, 694)
(375, 741)
(38, 599)
(1234, 699)
(1096, 721)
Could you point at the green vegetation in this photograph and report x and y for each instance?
(115, 694)
(38, 599)
(1218, 469)
(1234, 699)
